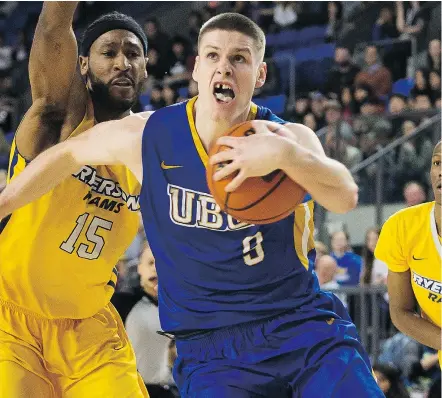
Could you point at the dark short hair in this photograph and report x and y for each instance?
(234, 22)
(400, 96)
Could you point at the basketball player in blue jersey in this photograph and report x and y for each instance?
(243, 303)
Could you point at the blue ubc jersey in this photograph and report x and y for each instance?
(214, 270)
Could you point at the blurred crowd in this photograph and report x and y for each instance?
(371, 95)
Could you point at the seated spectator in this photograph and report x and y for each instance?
(420, 102)
(334, 22)
(368, 259)
(301, 107)
(170, 95)
(343, 72)
(434, 79)
(378, 77)
(179, 72)
(156, 67)
(194, 23)
(385, 26)
(372, 106)
(397, 104)
(409, 23)
(310, 121)
(344, 152)
(156, 97)
(317, 106)
(427, 366)
(362, 93)
(284, 15)
(414, 193)
(431, 59)
(389, 381)
(335, 124)
(402, 353)
(421, 86)
(156, 37)
(321, 249)
(349, 263)
(151, 349)
(326, 269)
(348, 104)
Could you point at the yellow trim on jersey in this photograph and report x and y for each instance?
(303, 230)
(16, 162)
(196, 138)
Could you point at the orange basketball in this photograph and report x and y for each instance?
(258, 200)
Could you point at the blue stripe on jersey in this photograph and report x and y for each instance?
(14, 161)
(213, 270)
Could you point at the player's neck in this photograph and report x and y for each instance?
(102, 114)
(209, 130)
(437, 215)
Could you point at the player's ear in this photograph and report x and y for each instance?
(261, 76)
(84, 64)
(195, 68)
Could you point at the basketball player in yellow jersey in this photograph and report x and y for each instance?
(410, 244)
(59, 335)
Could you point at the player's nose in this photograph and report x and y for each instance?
(122, 62)
(224, 67)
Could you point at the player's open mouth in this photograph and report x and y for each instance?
(223, 93)
(123, 82)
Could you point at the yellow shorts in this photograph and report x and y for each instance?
(69, 358)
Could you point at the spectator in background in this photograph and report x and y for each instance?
(151, 349)
(414, 155)
(342, 74)
(194, 23)
(414, 193)
(374, 74)
(6, 53)
(317, 106)
(310, 121)
(297, 112)
(156, 97)
(156, 67)
(180, 70)
(371, 238)
(334, 23)
(433, 55)
(408, 23)
(435, 88)
(385, 26)
(344, 152)
(421, 86)
(420, 102)
(349, 263)
(397, 104)
(321, 249)
(156, 37)
(326, 269)
(389, 381)
(372, 106)
(284, 15)
(363, 92)
(170, 95)
(348, 104)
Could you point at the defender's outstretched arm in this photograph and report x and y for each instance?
(113, 142)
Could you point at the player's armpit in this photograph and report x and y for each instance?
(114, 142)
(403, 313)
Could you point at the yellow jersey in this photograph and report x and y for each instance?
(409, 241)
(58, 253)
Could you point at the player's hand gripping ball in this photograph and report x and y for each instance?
(258, 200)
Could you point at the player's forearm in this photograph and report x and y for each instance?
(420, 329)
(44, 173)
(328, 181)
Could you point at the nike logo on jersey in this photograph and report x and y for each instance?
(417, 259)
(167, 167)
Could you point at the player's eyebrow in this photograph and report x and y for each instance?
(236, 49)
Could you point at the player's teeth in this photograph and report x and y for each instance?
(225, 87)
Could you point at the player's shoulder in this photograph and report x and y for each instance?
(413, 215)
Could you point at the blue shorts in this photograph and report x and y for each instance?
(313, 352)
